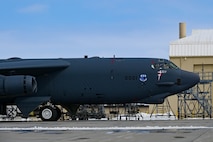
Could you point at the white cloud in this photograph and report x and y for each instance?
(35, 8)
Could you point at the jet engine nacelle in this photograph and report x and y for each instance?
(17, 85)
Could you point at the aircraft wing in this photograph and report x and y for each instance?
(17, 80)
(32, 67)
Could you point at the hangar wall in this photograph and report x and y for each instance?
(192, 53)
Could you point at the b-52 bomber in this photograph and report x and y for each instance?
(43, 84)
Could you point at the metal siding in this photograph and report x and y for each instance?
(200, 43)
(191, 50)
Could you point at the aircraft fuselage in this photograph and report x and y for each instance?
(98, 80)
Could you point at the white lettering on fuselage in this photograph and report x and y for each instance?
(160, 73)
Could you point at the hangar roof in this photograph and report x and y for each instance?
(200, 43)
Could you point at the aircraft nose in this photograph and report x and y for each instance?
(189, 79)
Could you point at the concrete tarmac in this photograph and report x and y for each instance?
(108, 131)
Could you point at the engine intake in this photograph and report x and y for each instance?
(17, 85)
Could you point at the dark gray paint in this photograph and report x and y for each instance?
(96, 80)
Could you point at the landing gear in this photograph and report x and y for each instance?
(50, 113)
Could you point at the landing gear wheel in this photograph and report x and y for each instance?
(49, 113)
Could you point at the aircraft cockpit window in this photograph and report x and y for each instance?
(172, 66)
(161, 66)
(164, 65)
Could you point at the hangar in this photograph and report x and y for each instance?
(194, 53)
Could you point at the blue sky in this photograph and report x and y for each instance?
(74, 28)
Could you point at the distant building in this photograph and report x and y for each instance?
(193, 52)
